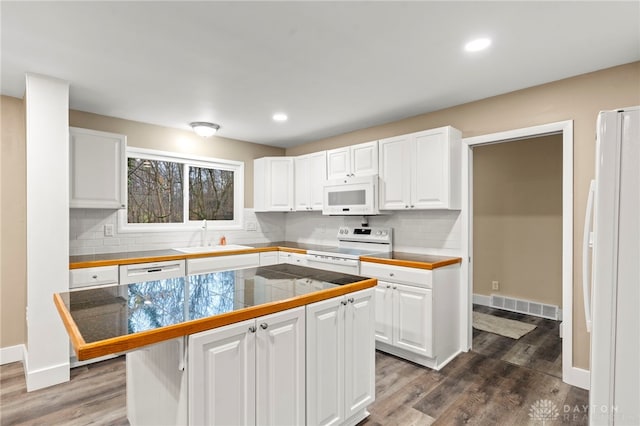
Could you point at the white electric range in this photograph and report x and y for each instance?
(353, 242)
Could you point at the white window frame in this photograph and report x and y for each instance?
(188, 160)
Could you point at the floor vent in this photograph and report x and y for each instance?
(525, 307)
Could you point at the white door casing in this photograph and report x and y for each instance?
(572, 375)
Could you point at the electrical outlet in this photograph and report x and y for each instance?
(495, 285)
(108, 230)
(252, 226)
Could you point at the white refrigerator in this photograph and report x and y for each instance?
(612, 277)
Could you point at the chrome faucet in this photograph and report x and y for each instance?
(203, 233)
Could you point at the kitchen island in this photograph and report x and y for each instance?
(280, 344)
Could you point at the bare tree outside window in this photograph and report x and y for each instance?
(210, 194)
(155, 191)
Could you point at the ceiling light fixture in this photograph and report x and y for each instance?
(204, 129)
(280, 117)
(477, 45)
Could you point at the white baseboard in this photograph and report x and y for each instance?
(12, 354)
(481, 299)
(45, 377)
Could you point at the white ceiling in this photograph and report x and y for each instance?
(333, 67)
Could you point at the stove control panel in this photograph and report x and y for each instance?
(380, 235)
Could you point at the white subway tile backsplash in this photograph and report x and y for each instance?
(423, 231)
(418, 231)
(86, 233)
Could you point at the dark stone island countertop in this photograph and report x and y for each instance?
(114, 319)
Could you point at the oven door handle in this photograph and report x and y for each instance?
(331, 261)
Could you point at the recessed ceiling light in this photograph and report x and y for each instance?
(477, 44)
(280, 117)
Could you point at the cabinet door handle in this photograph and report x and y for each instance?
(394, 287)
(412, 206)
(94, 277)
(391, 274)
(252, 329)
(350, 300)
(388, 285)
(264, 325)
(406, 206)
(344, 302)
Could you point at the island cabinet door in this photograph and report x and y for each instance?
(325, 362)
(222, 375)
(280, 372)
(360, 351)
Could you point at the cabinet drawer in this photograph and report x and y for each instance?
(139, 272)
(87, 277)
(398, 274)
(222, 263)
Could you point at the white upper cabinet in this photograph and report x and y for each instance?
(273, 184)
(96, 161)
(310, 174)
(354, 160)
(395, 176)
(421, 170)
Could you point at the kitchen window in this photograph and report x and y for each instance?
(171, 191)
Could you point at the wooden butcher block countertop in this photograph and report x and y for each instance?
(131, 257)
(411, 260)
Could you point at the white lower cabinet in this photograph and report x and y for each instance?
(251, 372)
(417, 312)
(340, 359)
(206, 265)
(404, 317)
(292, 258)
(269, 258)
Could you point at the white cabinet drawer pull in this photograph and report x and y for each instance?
(94, 277)
(350, 300)
(391, 274)
(344, 302)
(264, 325)
(252, 329)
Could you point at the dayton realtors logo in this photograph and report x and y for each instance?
(544, 411)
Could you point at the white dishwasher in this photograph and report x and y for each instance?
(140, 272)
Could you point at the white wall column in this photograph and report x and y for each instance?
(47, 131)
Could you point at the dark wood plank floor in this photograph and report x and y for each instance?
(473, 389)
(96, 394)
(540, 349)
(477, 388)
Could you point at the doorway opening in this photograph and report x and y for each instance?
(570, 374)
(517, 246)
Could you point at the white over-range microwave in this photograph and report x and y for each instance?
(351, 196)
